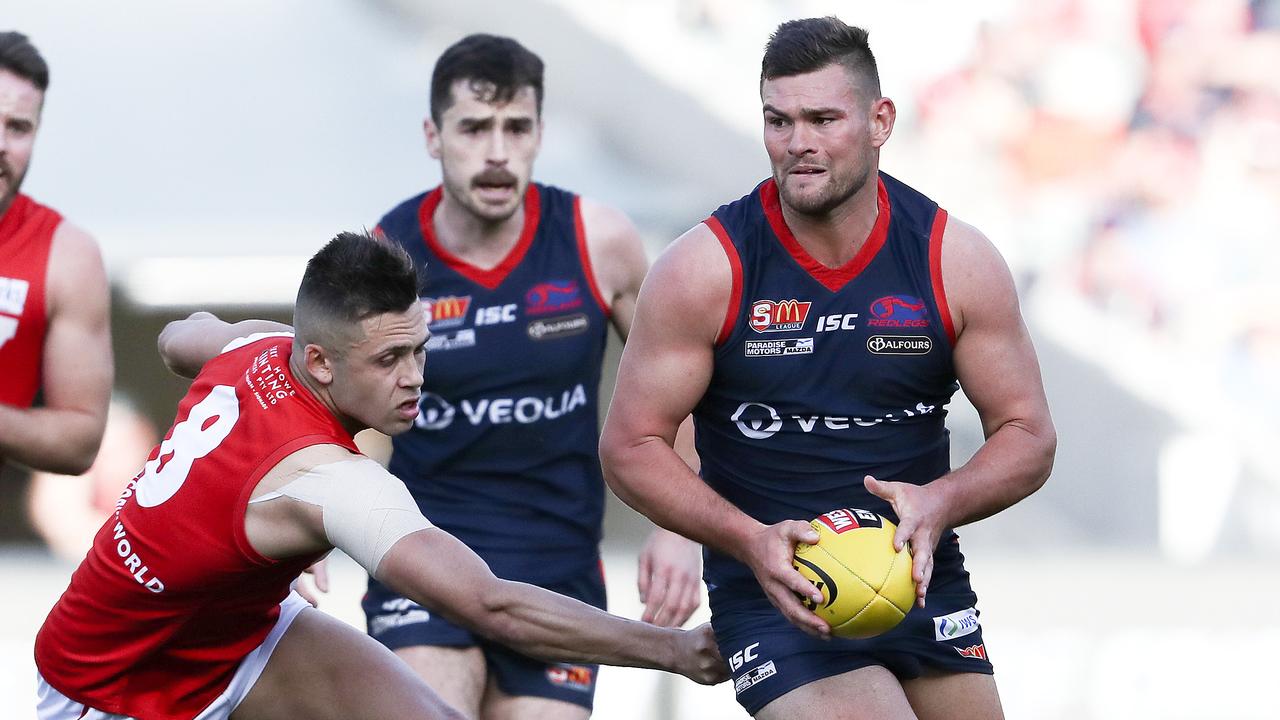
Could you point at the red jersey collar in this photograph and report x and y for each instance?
(494, 276)
(831, 278)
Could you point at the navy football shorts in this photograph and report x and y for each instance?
(398, 622)
(770, 657)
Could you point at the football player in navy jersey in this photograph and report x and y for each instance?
(842, 309)
(521, 283)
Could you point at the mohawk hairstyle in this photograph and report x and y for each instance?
(803, 46)
(353, 277)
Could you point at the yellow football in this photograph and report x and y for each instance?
(866, 586)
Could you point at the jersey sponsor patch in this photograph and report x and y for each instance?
(899, 311)
(957, 624)
(778, 315)
(396, 613)
(438, 413)
(558, 327)
(8, 329)
(13, 298)
(553, 297)
(846, 519)
(13, 295)
(758, 420)
(446, 311)
(975, 652)
(573, 677)
(899, 344)
(772, 348)
(452, 341)
(753, 676)
(496, 314)
(837, 322)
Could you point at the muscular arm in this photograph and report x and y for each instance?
(351, 502)
(439, 572)
(186, 345)
(996, 365)
(76, 367)
(666, 367)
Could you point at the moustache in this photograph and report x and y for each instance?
(494, 176)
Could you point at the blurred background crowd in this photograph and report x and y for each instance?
(1124, 155)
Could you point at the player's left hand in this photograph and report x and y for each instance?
(319, 573)
(670, 578)
(921, 521)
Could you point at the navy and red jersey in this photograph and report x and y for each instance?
(504, 452)
(824, 375)
(172, 597)
(26, 235)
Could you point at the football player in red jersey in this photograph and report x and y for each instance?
(54, 328)
(183, 606)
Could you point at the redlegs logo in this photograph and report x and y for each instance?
(778, 315)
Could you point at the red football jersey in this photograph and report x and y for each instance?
(172, 597)
(26, 234)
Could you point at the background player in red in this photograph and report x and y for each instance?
(183, 609)
(521, 282)
(55, 335)
(842, 306)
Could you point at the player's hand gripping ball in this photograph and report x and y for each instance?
(866, 586)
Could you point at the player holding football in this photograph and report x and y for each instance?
(55, 335)
(522, 281)
(843, 308)
(182, 608)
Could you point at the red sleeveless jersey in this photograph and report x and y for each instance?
(26, 234)
(172, 597)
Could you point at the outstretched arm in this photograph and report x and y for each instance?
(186, 345)
(323, 496)
(440, 573)
(76, 368)
(996, 364)
(666, 367)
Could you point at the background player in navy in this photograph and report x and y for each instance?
(843, 307)
(521, 281)
(55, 335)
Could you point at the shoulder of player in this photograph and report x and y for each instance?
(691, 281)
(611, 236)
(614, 248)
(76, 273)
(974, 274)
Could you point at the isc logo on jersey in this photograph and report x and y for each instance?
(447, 311)
(778, 315)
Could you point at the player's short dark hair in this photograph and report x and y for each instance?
(353, 277)
(20, 57)
(803, 46)
(495, 68)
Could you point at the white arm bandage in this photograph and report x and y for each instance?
(365, 509)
